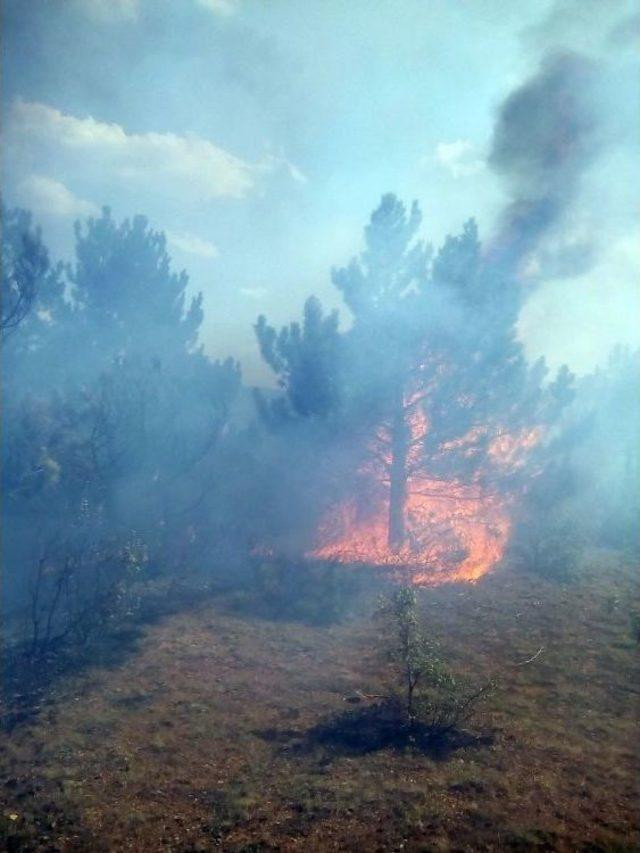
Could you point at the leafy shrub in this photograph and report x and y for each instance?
(429, 694)
(634, 619)
(76, 589)
(316, 592)
(547, 546)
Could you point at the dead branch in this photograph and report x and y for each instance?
(531, 659)
(359, 696)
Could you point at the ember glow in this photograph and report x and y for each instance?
(453, 531)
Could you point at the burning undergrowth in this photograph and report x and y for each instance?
(450, 530)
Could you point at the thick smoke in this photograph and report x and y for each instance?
(545, 138)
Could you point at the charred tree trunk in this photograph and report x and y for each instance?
(398, 476)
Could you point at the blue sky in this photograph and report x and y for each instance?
(260, 134)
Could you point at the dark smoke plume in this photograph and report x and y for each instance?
(545, 137)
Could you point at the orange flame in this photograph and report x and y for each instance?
(454, 530)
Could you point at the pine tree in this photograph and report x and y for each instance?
(433, 378)
(128, 299)
(307, 361)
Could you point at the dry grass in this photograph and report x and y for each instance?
(201, 738)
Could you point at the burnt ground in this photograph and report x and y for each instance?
(211, 733)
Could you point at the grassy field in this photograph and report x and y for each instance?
(205, 733)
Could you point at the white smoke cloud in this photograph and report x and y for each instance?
(600, 306)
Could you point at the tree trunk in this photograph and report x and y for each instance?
(411, 684)
(398, 476)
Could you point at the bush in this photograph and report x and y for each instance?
(311, 591)
(77, 589)
(429, 694)
(549, 547)
(634, 619)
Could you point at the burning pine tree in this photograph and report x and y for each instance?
(430, 392)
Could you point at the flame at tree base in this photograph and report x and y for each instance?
(453, 532)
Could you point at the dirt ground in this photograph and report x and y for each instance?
(203, 736)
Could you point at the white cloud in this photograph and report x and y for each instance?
(278, 164)
(220, 7)
(253, 292)
(109, 11)
(50, 197)
(459, 158)
(180, 161)
(296, 174)
(192, 245)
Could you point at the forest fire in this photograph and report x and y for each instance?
(451, 530)
(453, 534)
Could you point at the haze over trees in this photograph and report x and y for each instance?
(112, 418)
(123, 460)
